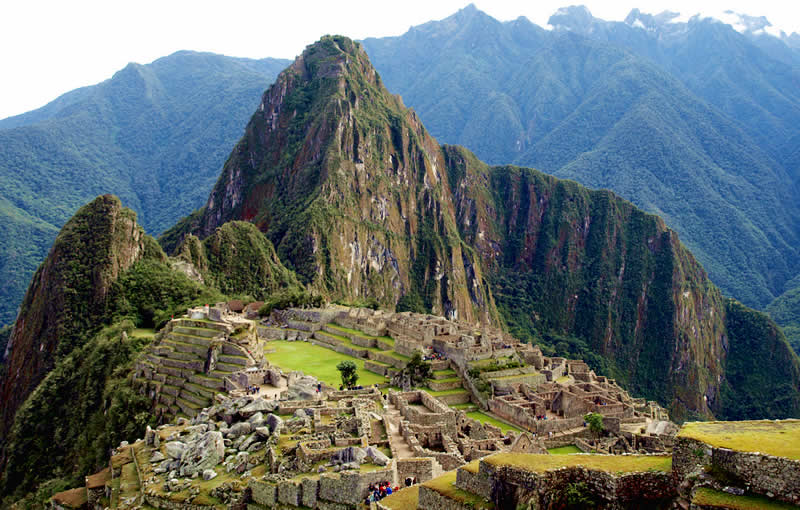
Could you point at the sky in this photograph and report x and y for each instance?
(50, 47)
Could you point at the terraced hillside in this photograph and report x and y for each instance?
(181, 374)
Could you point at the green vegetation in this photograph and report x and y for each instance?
(752, 390)
(598, 119)
(717, 499)
(317, 361)
(564, 450)
(446, 486)
(156, 135)
(577, 496)
(348, 371)
(416, 372)
(609, 463)
(785, 310)
(491, 420)
(238, 259)
(595, 422)
(290, 298)
(404, 499)
(779, 438)
(86, 405)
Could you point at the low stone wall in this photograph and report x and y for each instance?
(774, 477)
(476, 483)
(375, 367)
(456, 398)
(421, 468)
(429, 498)
(630, 490)
(443, 386)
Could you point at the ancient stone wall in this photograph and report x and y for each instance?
(421, 468)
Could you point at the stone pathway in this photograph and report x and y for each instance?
(399, 445)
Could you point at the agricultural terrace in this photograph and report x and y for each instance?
(778, 438)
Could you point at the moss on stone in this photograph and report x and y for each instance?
(609, 463)
(778, 438)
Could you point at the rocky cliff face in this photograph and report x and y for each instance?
(67, 296)
(360, 201)
(350, 188)
(589, 264)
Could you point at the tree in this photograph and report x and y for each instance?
(595, 422)
(415, 373)
(348, 372)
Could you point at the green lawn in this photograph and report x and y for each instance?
(779, 438)
(445, 485)
(713, 498)
(143, 332)
(486, 418)
(317, 361)
(564, 450)
(609, 463)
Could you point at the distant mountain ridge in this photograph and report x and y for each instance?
(695, 125)
(156, 135)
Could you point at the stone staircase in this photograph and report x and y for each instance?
(181, 375)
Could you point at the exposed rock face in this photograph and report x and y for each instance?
(350, 188)
(67, 295)
(360, 201)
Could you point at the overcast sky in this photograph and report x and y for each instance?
(51, 47)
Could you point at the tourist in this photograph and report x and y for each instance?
(408, 481)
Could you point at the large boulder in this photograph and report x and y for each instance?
(348, 455)
(258, 405)
(239, 429)
(175, 449)
(275, 424)
(376, 456)
(203, 453)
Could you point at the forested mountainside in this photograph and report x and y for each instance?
(67, 396)
(694, 122)
(361, 202)
(156, 135)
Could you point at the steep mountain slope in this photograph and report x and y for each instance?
(68, 295)
(156, 135)
(67, 396)
(785, 310)
(237, 258)
(363, 203)
(588, 101)
(350, 188)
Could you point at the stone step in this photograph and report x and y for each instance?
(204, 324)
(444, 384)
(190, 339)
(207, 381)
(200, 350)
(189, 408)
(184, 356)
(186, 394)
(234, 360)
(228, 367)
(201, 332)
(200, 390)
(444, 374)
(196, 365)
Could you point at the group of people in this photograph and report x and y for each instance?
(253, 390)
(541, 417)
(378, 491)
(434, 356)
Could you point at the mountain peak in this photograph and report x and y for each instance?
(575, 17)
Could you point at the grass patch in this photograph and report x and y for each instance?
(609, 463)
(317, 361)
(143, 333)
(564, 450)
(491, 420)
(779, 438)
(468, 405)
(445, 485)
(564, 379)
(710, 497)
(404, 499)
